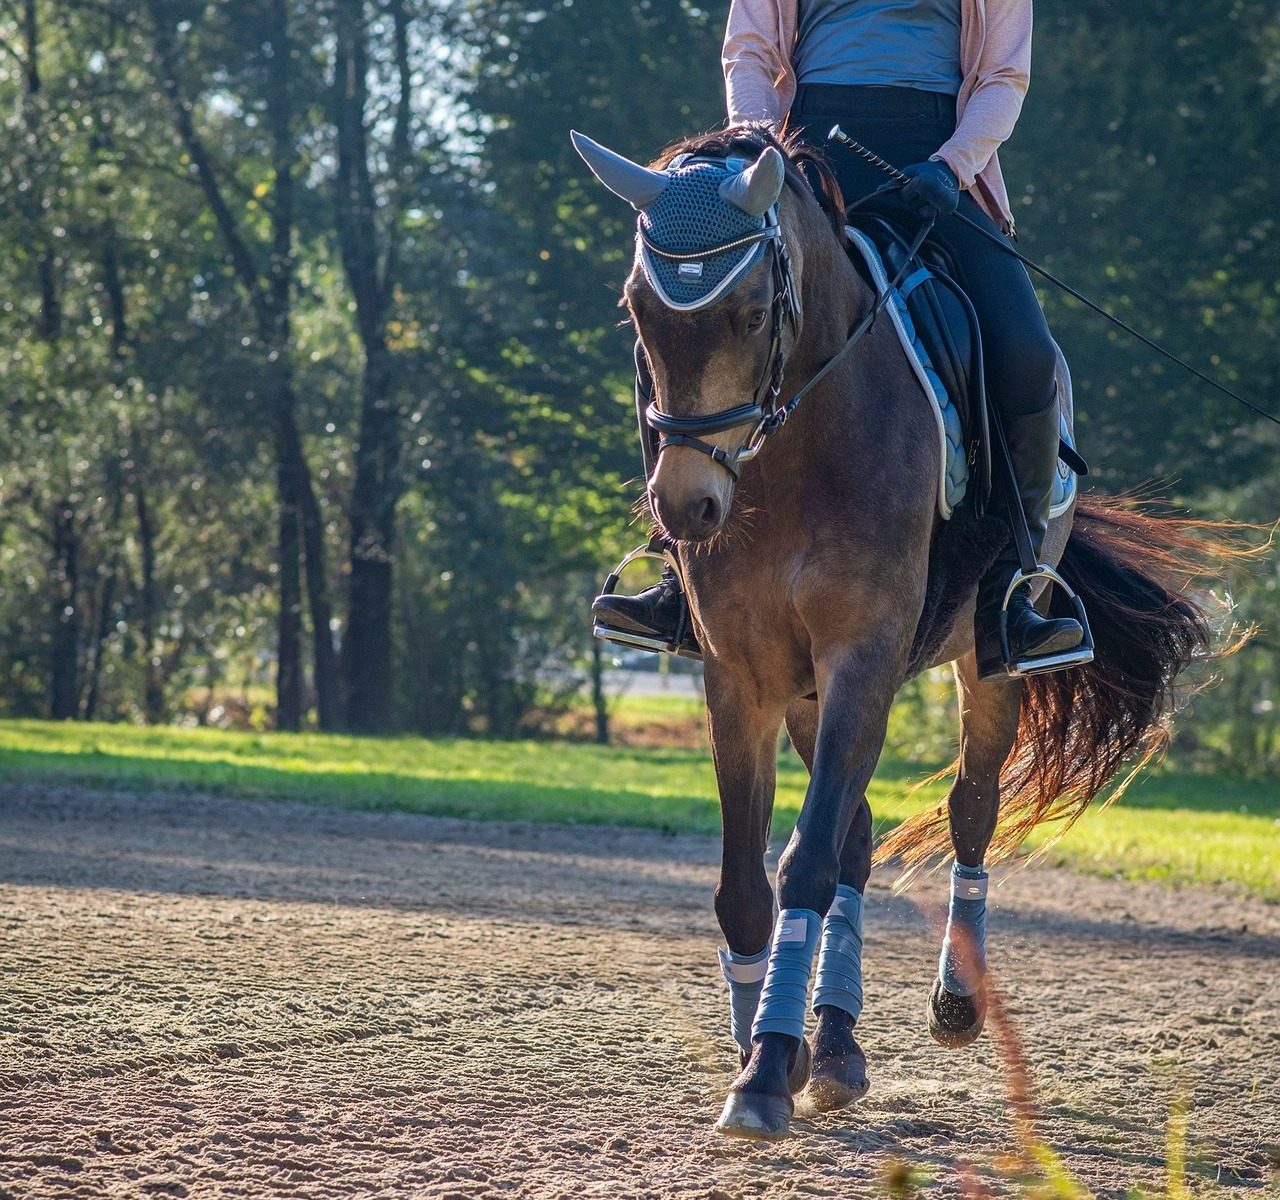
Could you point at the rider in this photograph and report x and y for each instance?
(937, 84)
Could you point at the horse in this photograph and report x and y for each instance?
(821, 578)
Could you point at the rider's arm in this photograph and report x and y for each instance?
(759, 83)
(1004, 70)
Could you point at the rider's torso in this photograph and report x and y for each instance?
(884, 43)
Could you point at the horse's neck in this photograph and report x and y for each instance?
(835, 296)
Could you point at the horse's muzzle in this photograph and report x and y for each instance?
(695, 519)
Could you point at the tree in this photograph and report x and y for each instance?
(266, 273)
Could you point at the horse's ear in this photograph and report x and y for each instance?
(637, 185)
(756, 190)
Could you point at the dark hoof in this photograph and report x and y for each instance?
(838, 1081)
(798, 1075)
(955, 1021)
(755, 1115)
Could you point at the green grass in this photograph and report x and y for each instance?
(1172, 826)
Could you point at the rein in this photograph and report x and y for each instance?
(764, 411)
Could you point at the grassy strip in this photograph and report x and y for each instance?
(1172, 826)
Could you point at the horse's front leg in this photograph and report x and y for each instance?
(988, 725)
(839, 1066)
(855, 689)
(744, 735)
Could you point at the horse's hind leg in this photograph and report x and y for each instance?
(839, 1072)
(988, 725)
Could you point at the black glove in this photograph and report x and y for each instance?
(932, 190)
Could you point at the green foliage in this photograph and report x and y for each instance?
(139, 551)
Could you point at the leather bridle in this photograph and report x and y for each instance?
(764, 413)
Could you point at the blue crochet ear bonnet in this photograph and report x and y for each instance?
(689, 216)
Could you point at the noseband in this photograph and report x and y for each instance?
(763, 412)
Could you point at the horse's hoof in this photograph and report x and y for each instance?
(955, 1021)
(755, 1115)
(838, 1081)
(798, 1076)
(801, 1065)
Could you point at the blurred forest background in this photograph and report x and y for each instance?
(316, 408)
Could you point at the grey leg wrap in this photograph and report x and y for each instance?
(839, 978)
(786, 985)
(744, 974)
(964, 948)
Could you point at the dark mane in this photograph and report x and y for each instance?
(807, 167)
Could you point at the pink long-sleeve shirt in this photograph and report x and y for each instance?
(995, 60)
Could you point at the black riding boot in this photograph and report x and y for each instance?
(660, 612)
(1033, 446)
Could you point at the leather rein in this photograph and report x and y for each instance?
(763, 412)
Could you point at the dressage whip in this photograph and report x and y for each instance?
(838, 135)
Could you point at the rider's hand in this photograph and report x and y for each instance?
(932, 189)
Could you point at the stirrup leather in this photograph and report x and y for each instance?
(1077, 656)
(654, 548)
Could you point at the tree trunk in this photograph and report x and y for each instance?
(271, 297)
(113, 284)
(311, 525)
(598, 699)
(152, 682)
(371, 263)
(64, 645)
(106, 601)
(367, 648)
(289, 618)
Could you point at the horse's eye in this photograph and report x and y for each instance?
(756, 319)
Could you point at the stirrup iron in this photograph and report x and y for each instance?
(1077, 656)
(657, 549)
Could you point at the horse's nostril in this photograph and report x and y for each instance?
(705, 514)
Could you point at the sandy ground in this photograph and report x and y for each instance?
(212, 998)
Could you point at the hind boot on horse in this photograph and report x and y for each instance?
(820, 576)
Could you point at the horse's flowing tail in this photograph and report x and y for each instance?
(1144, 579)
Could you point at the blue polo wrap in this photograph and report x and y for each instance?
(838, 981)
(786, 984)
(744, 973)
(963, 961)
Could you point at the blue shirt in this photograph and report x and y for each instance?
(883, 43)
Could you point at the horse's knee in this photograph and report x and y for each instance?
(807, 875)
(744, 909)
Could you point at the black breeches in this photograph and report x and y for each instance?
(905, 125)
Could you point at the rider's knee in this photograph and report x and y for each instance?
(1022, 371)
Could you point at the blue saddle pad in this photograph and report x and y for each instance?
(953, 463)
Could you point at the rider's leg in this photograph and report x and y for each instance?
(659, 611)
(1021, 364)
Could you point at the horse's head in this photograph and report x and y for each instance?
(714, 295)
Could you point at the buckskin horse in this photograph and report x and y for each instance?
(821, 578)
